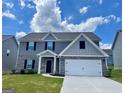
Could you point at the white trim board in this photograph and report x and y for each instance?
(48, 35)
(83, 56)
(39, 54)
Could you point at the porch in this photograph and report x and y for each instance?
(48, 62)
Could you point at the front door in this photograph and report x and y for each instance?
(48, 66)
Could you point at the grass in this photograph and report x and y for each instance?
(32, 83)
(116, 75)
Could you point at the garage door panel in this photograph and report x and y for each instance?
(83, 67)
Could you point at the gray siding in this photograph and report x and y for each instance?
(62, 66)
(75, 49)
(117, 52)
(8, 62)
(59, 46)
(22, 58)
(31, 54)
(110, 60)
(40, 46)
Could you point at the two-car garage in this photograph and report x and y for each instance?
(83, 67)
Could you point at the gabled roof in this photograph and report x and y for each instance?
(89, 40)
(6, 37)
(108, 51)
(49, 35)
(63, 36)
(116, 36)
(47, 51)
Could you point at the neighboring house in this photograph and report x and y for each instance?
(64, 53)
(117, 50)
(110, 58)
(9, 52)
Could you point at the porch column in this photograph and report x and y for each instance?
(54, 68)
(39, 65)
(106, 63)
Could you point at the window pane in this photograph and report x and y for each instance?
(31, 45)
(8, 51)
(82, 44)
(50, 45)
(29, 64)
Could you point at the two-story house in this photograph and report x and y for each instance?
(65, 53)
(117, 50)
(9, 53)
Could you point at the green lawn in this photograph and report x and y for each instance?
(116, 75)
(32, 83)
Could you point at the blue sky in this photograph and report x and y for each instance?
(103, 17)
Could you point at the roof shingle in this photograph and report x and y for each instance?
(60, 35)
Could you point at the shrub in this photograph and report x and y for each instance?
(27, 71)
(30, 71)
(108, 73)
(13, 71)
(22, 71)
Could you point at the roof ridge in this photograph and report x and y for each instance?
(61, 32)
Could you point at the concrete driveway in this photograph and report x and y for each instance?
(77, 84)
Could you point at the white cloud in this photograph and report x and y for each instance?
(83, 10)
(30, 6)
(20, 34)
(99, 1)
(59, 2)
(21, 22)
(26, 3)
(22, 3)
(68, 18)
(8, 14)
(117, 19)
(9, 5)
(89, 25)
(105, 46)
(48, 18)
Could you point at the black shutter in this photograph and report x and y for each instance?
(27, 45)
(45, 45)
(34, 45)
(53, 45)
(33, 64)
(25, 63)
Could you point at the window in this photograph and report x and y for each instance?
(8, 52)
(82, 44)
(29, 64)
(50, 45)
(31, 46)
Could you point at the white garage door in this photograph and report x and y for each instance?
(83, 67)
